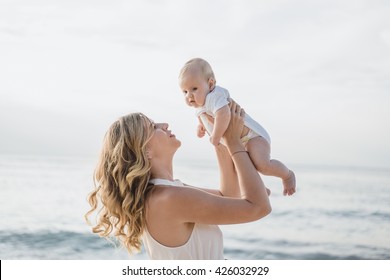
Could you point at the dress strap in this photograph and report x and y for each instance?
(164, 182)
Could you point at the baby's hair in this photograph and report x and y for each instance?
(198, 63)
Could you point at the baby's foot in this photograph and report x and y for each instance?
(289, 184)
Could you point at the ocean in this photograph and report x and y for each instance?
(337, 213)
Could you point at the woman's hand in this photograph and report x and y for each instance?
(236, 125)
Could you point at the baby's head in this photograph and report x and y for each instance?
(196, 80)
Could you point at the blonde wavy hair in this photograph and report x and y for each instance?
(121, 181)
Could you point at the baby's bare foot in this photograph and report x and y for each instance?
(289, 184)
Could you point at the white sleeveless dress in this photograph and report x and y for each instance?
(205, 242)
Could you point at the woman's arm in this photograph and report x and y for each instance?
(227, 173)
(251, 185)
(229, 186)
(189, 205)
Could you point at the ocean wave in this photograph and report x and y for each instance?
(53, 245)
(283, 249)
(339, 213)
(58, 245)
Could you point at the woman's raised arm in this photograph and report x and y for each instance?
(227, 173)
(251, 185)
(184, 205)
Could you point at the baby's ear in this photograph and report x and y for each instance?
(211, 83)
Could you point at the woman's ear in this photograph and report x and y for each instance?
(148, 154)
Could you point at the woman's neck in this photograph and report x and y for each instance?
(161, 169)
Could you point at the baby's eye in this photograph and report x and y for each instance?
(195, 88)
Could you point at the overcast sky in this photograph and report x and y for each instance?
(316, 74)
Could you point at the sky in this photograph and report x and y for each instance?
(315, 74)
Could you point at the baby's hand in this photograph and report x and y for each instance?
(200, 131)
(289, 184)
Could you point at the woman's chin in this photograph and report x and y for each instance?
(178, 143)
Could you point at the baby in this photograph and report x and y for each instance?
(197, 81)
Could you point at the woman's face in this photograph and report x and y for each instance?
(163, 142)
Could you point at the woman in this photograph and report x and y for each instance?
(142, 201)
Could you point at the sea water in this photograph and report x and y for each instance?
(337, 213)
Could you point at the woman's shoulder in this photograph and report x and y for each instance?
(164, 196)
(170, 202)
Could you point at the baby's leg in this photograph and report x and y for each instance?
(260, 151)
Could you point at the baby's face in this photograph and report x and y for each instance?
(195, 88)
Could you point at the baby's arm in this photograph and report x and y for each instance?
(221, 122)
(201, 131)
